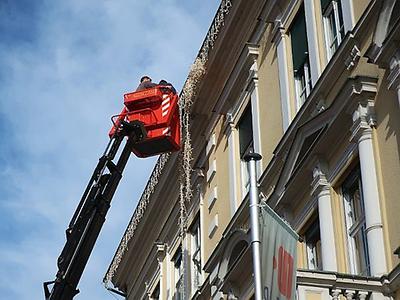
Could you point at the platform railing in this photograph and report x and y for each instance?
(312, 284)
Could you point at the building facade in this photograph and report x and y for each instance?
(314, 87)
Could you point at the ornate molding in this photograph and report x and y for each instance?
(363, 120)
(319, 183)
(161, 249)
(353, 58)
(278, 32)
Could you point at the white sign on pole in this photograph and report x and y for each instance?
(278, 256)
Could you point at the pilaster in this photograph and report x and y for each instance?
(281, 47)
(321, 190)
(312, 40)
(161, 252)
(233, 140)
(362, 129)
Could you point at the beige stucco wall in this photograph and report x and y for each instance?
(359, 7)
(269, 97)
(387, 145)
(221, 206)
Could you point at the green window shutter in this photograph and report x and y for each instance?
(298, 37)
(325, 4)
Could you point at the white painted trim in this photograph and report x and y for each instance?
(312, 39)
(212, 228)
(284, 79)
(202, 230)
(256, 122)
(233, 159)
(212, 169)
(348, 15)
(168, 275)
(362, 133)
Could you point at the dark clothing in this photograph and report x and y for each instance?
(145, 85)
(164, 82)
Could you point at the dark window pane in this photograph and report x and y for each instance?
(298, 37)
(325, 4)
(245, 128)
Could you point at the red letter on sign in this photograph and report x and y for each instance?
(285, 272)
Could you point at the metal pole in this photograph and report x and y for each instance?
(251, 159)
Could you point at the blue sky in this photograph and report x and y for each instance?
(64, 66)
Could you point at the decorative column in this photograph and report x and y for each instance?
(336, 294)
(281, 48)
(350, 294)
(255, 112)
(321, 190)
(233, 141)
(312, 40)
(362, 130)
(394, 75)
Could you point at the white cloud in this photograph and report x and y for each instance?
(57, 93)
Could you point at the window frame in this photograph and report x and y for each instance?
(195, 259)
(178, 273)
(355, 226)
(244, 176)
(301, 71)
(155, 294)
(302, 83)
(333, 9)
(312, 237)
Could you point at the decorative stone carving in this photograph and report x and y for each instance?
(161, 251)
(353, 58)
(362, 295)
(363, 119)
(335, 294)
(350, 294)
(319, 183)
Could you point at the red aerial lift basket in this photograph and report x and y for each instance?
(158, 109)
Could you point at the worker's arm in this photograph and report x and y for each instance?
(117, 123)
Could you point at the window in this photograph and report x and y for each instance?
(355, 224)
(196, 256)
(178, 274)
(312, 239)
(245, 128)
(156, 293)
(333, 25)
(301, 63)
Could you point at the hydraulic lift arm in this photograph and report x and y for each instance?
(90, 214)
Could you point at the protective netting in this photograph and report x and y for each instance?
(186, 100)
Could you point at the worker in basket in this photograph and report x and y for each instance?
(145, 83)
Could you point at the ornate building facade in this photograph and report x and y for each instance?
(314, 87)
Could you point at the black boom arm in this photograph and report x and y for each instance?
(90, 214)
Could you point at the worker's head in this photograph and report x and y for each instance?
(163, 82)
(145, 78)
